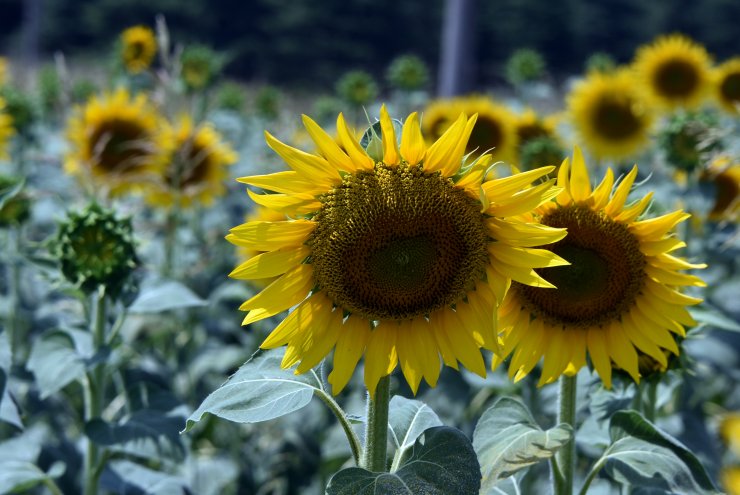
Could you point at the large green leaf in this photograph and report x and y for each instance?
(164, 295)
(633, 424)
(407, 419)
(143, 431)
(442, 462)
(55, 362)
(714, 317)
(508, 439)
(260, 390)
(20, 476)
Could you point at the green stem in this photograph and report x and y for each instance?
(354, 441)
(14, 281)
(170, 241)
(52, 486)
(591, 475)
(96, 380)
(567, 454)
(376, 433)
(651, 402)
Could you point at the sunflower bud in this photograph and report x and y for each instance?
(688, 139)
(94, 248)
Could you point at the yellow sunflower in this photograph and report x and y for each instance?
(726, 79)
(4, 71)
(494, 130)
(117, 142)
(401, 259)
(724, 174)
(675, 71)
(610, 114)
(258, 214)
(6, 130)
(731, 479)
(196, 170)
(138, 47)
(617, 297)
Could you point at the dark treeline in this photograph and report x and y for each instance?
(311, 42)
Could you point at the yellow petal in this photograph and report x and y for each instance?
(620, 194)
(288, 204)
(320, 341)
(463, 345)
(601, 194)
(526, 276)
(597, 350)
(353, 338)
(359, 157)
(642, 341)
(668, 262)
(670, 295)
(653, 248)
(412, 142)
(655, 228)
(436, 321)
(327, 146)
(454, 160)
(621, 351)
(523, 234)
(631, 213)
(287, 181)
(580, 187)
(498, 282)
(408, 355)
(390, 146)
(270, 264)
(283, 292)
(564, 197)
(312, 167)
(305, 314)
(269, 236)
(668, 277)
(474, 176)
(525, 257)
(499, 190)
(556, 357)
(524, 201)
(381, 356)
(439, 153)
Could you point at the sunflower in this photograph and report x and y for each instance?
(4, 71)
(724, 175)
(138, 47)
(726, 80)
(617, 297)
(6, 130)
(117, 142)
(530, 128)
(610, 114)
(494, 130)
(401, 260)
(675, 71)
(197, 168)
(731, 479)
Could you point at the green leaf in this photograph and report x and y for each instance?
(632, 423)
(160, 430)
(508, 439)
(164, 295)
(407, 419)
(129, 477)
(506, 486)
(9, 191)
(714, 317)
(18, 476)
(260, 390)
(55, 362)
(442, 463)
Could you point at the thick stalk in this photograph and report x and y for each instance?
(376, 433)
(354, 442)
(96, 380)
(566, 456)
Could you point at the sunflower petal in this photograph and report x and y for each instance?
(360, 158)
(269, 236)
(288, 204)
(499, 190)
(413, 148)
(580, 187)
(525, 257)
(382, 354)
(327, 146)
(353, 338)
(312, 167)
(620, 194)
(439, 153)
(283, 292)
(270, 264)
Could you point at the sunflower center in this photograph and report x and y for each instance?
(676, 79)
(117, 146)
(528, 132)
(396, 243)
(486, 134)
(604, 278)
(730, 87)
(192, 169)
(616, 119)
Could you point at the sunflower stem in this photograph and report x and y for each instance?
(14, 282)
(376, 433)
(96, 380)
(354, 442)
(566, 456)
(651, 401)
(170, 241)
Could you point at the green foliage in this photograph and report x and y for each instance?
(408, 73)
(231, 96)
(200, 66)
(158, 296)
(15, 205)
(82, 90)
(540, 152)
(523, 66)
(267, 102)
(442, 462)
(357, 88)
(600, 62)
(49, 88)
(59, 358)
(508, 439)
(688, 139)
(21, 108)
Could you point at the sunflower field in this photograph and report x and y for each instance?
(211, 287)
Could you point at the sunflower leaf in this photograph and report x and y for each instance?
(508, 439)
(686, 464)
(442, 462)
(18, 476)
(56, 361)
(707, 315)
(407, 420)
(260, 390)
(164, 295)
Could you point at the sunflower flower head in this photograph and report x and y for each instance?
(723, 176)
(726, 83)
(675, 71)
(94, 247)
(200, 66)
(688, 139)
(620, 295)
(118, 142)
(6, 129)
(196, 171)
(611, 115)
(138, 47)
(400, 258)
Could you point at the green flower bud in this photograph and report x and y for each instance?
(408, 72)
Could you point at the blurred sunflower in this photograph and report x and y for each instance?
(138, 47)
(118, 142)
(4, 71)
(400, 259)
(674, 70)
(727, 85)
(616, 297)
(731, 480)
(610, 114)
(494, 131)
(196, 170)
(6, 130)
(724, 175)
